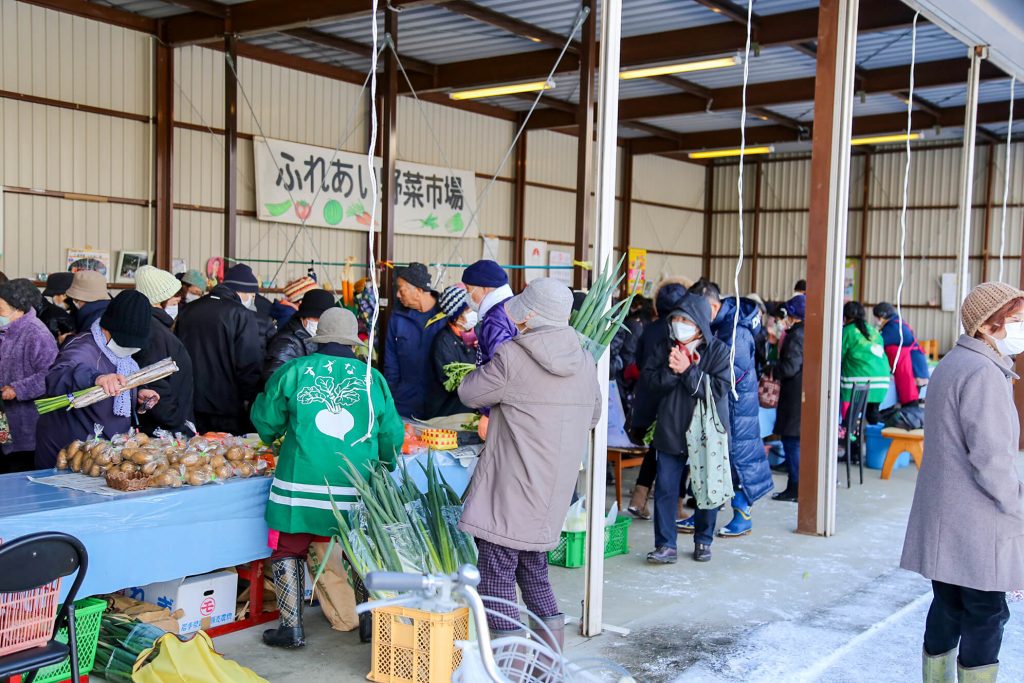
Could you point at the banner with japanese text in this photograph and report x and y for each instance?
(329, 189)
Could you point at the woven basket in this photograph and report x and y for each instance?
(123, 481)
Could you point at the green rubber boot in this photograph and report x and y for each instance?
(938, 668)
(977, 674)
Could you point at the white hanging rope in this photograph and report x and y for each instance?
(739, 192)
(374, 199)
(1006, 180)
(906, 193)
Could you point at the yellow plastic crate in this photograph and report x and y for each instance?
(413, 646)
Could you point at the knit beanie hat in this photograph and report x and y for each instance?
(157, 285)
(195, 278)
(416, 274)
(796, 307)
(127, 319)
(453, 301)
(296, 289)
(314, 303)
(983, 301)
(548, 299)
(239, 278)
(485, 273)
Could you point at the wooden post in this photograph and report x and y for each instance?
(164, 114)
(626, 208)
(585, 145)
(987, 220)
(826, 254)
(758, 169)
(389, 150)
(709, 216)
(865, 213)
(519, 212)
(230, 145)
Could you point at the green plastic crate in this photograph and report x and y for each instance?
(572, 546)
(88, 613)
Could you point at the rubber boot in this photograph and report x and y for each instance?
(638, 502)
(741, 523)
(686, 526)
(977, 674)
(556, 624)
(515, 662)
(938, 668)
(289, 584)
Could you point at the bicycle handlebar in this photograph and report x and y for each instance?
(396, 581)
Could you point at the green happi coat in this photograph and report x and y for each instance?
(319, 404)
(864, 362)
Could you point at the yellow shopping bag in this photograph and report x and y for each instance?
(193, 661)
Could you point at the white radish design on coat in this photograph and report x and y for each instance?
(333, 420)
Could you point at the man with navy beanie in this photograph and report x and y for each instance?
(487, 285)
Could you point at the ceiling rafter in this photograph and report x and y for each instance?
(354, 47)
(523, 29)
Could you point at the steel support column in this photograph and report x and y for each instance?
(604, 239)
(389, 150)
(865, 212)
(230, 146)
(826, 254)
(709, 217)
(756, 237)
(164, 114)
(626, 208)
(519, 212)
(585, 145)
(990, 164)
(963, 263)
(1018, 387)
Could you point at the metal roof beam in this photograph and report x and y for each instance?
(108, 15)
(700, 41)
(878, 124)
(208, 7)
(522, 29)
(353, 47)
(730, 10)
(889, 79)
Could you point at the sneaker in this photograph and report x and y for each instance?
(701, 553)
(685, 526)
(662, 555)
(787, 496)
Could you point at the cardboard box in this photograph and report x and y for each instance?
(207, 600)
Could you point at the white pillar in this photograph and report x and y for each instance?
(963, 262)
(604, 237)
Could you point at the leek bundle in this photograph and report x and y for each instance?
(87, 397)
(595, 322)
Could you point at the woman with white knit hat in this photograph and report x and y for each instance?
(175, 407)
(966, 529)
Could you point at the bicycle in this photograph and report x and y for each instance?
(509, 659)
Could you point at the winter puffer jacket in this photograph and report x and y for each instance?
(790, 373)
(291, 342)
(746, 448)
(645, 401)
(407, 357)
(175, 406)
(678, 393)
(223, 339)
(447, 348)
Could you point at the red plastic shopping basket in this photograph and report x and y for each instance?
(26, 618)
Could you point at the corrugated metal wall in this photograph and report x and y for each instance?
(932, 235)
(52, 151)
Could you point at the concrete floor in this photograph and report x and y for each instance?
(772, 606)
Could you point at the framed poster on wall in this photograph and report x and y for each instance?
(128, 262)
(89, 259)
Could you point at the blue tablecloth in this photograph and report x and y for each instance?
(139, 538)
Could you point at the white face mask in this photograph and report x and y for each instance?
(121, 351)
(250, 302)
(470, 321)
(311, 326)
(683, 331)
(190, 297)
(473, 306)
(1013, 344)
(172, 311)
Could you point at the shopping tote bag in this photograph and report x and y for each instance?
(172, 660)
(707, 442)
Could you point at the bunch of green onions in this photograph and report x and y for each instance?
(595, 321)
(122, 640)
(649, 434)
(403, 530)
(91, 395)
(455, 373)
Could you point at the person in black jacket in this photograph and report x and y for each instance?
(222, 336)
(53, 311)
(293, 339)
(175, 407)
(790, 372)
(455, 343)
(676, 372)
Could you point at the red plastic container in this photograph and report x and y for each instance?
(26, 619)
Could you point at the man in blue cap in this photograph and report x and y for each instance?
(487, 285)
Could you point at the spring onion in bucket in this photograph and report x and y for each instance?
(596, 322)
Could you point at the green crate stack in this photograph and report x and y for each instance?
(571, 550)
(88, 613)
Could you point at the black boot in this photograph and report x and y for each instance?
(366, 618)
(289, 584)
(789, 495)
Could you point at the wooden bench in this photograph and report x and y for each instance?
(903, 441)
(622, 459)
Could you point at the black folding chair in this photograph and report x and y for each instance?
(34, 561)
(854, 425)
